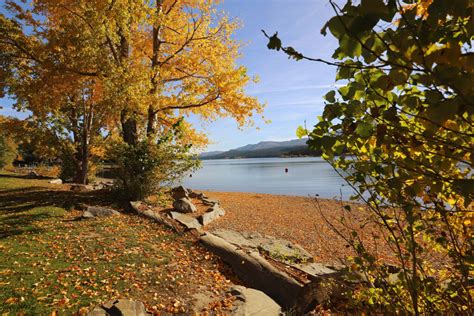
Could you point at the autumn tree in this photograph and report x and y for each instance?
(155, 63)
(8, 147)
(45, 72)
(405, 116)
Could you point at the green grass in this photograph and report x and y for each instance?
(53, 262)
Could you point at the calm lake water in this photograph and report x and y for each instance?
(306, 176)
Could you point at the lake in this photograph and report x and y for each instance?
(306, 176)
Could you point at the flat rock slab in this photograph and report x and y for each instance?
(279, 249)
(296, 286)
(186, 220)
(56, 181)
(253, 302)
(122, 307)
(97, 211)
(81, 187)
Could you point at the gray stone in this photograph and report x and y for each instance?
(98, 211)
(123, 307)
(188, 221)
(209, 202)
(184, 205)
(33, 175)
(285, 251)
(257, 272)
(56, 181)
(294, 284)
(279, 249)
(180, 192)
(81, 187)
(87, 215)
(235, 238)
(212, 214)
(253, 302)
(201, 300)
(196, 195)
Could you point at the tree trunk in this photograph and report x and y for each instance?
(129, 129)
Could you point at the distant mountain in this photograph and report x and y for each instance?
(210, 153)
(291, 148)
(273, 144)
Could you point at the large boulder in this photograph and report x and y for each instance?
(180, 192)
(122, 307)
(184, 205)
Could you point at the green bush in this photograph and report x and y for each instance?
(145, 167)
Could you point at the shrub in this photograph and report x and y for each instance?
(146, 167)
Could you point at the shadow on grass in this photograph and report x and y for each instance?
(24, 176)
(14, 201)
(15, 205)
(17, 224)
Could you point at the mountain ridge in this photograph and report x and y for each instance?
(265, 149)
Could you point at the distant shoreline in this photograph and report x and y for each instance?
(283, 156)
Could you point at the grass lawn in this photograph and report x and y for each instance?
(51, 262)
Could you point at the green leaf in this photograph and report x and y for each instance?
(274, 42)
(350, 46)
(364, 129)
(330, 96)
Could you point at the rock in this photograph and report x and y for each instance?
(137, 206)
(212, 214)
(257, 272)
(81, 187)
(87, 215)
(195, 195)
(98, 211)
(294, 283)
(279, 249)
(33, 175)
(180, 192)
(56, 181)
(188, 221)
(285, 251)
(123, 307)
(209, 202)
(253, 302)
(201, 300)
(238, 239)
(184, 205)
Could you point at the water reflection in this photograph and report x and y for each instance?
(305, 176)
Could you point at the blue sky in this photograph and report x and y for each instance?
(292, 90)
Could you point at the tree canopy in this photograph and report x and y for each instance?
(405, 117)
(128, 69)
